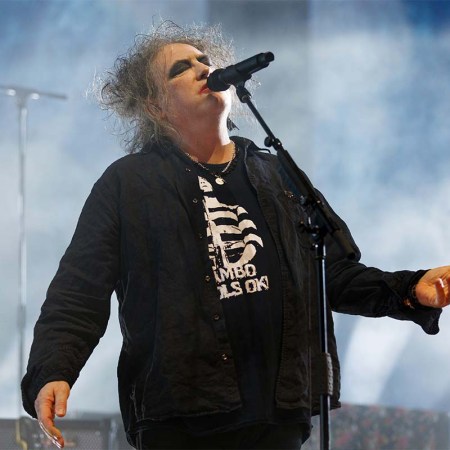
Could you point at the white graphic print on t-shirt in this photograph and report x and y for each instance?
(233, 242)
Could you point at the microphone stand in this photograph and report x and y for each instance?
(317, 229)
(22, 95)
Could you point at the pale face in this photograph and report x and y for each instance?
(185, 70)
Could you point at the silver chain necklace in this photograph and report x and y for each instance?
(219, 177)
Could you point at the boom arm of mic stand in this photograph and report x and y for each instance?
(302, 183)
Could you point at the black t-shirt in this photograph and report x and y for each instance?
(246, 268)
(247, 272)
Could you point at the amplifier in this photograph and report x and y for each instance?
(10, 435)
(78, 434)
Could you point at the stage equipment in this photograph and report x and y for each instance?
(22, 96)
(221, 79)
(320, 223)
(78, 434)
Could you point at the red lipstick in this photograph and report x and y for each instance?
(203, 89)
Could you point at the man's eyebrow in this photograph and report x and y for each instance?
(199, 58)
(203, 57)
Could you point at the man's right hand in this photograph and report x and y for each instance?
(51, 401)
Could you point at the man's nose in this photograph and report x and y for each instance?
(203, 71)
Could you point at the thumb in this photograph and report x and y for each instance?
(61, 396)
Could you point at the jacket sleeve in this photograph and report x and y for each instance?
(353, 288)
(75, 313)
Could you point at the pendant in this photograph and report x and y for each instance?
(220, 180)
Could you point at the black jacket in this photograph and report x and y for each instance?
(142, 233)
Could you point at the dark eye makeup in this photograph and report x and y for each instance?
(180, 66)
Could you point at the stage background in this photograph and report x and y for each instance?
(359, 93)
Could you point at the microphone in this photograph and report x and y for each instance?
(221, 79)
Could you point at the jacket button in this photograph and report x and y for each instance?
(200, 235)
(216, 317)
(207, 278)
(224, 356)
(194, 200)
(187, 169)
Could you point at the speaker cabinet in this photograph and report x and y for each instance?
(10, 435)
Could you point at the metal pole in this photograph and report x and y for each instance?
(22, 95)
(21, 313)
(322, 224)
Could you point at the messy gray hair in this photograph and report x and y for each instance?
(130, 89)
